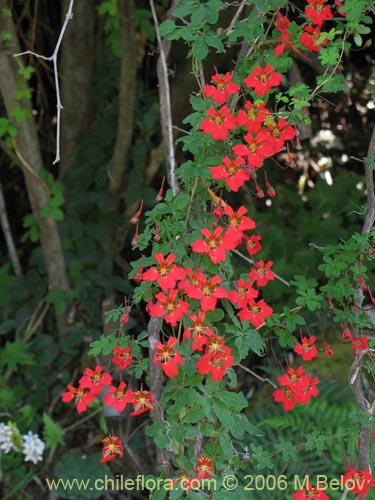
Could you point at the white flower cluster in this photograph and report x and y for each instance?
(6, 443)
(32, 448)
(11, 439)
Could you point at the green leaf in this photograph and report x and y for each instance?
(235, 400)
(262, 457)
(53, 434)
(59, 298)
(200, 49)
(166, 27)
(14, 354)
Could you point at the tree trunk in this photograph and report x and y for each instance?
(120, 158)
(76, 72)
(28, 151)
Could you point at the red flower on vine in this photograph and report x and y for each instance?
(117, 397)
(169, 306)
(165, 273)
(219, 123)
(307, 348)
(258, 147)
(141, 400)
(244, 292)
(222, 88)
(215, 245)
(232, 171)
(297, 387)
(253, 116)
(215, 363)
(280, 132)
(95, 379)
(207, 292)
(262, 79)
(252, 243)
(309, 38)
(200, 331)
(255, 312)
(361, 481)
(262, 273)
(112, 448)
(123, 357)
(82, 397)
(167, 357)
(204, 468)
(238, 221)
(318, 12)
(309, 493)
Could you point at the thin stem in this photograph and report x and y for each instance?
(165, 103)
(53, 58)
(8, 235)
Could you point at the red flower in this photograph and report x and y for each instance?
(199, 330)
(297, 388)
(359, 343)
(262, 273)
(141, 400)
(169, 306)
(328, 349)
(167, 357)
(360, 481)
(309, 38)
(117, 397)
(215, 245)
(81, 396)
(112, 448)
(257, 148)
(232, 171)
(207, 292)
(279, 133)
(253, 117)
(255, 312)
(215, 363)
(223, 86)
(310, 493)
(307, 348)
(237, 219)
(282, 23)
(252, 244)
(95, 379)
(218, 124)
(123, 357)
(244, 292)
(285, 396)
(204, 468)
(165, 273)
(262, 79)
(318, 12)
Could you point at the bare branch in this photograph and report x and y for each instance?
(53, 58)
(8, 235)
(165, 101)
(369, 178)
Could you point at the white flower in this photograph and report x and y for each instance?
(33, 447)
(6, 438)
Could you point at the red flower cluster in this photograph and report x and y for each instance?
(296, 388)
(263, 135)
(361, 481)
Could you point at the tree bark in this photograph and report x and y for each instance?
(28, 151)
(76, 72)
(120, 159)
